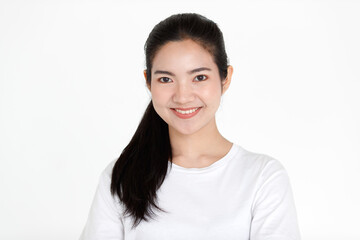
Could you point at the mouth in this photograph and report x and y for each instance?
(186, 112)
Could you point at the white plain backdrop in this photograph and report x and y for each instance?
(72, 94)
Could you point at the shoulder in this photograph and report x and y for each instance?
(272, 206)
(104, 187)
(107, 172)
(258, 164)
(257, 160)
(105, 178)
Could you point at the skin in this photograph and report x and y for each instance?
(184, 75)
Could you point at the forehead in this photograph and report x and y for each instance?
(185, 54)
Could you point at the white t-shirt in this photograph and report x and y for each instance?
(242, 196)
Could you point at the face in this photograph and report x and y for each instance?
(186, 87)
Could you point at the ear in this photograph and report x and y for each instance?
(226, 82)
(146, 80)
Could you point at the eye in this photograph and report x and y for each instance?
(200, 78)
(165, 80)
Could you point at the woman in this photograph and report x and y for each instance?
(179, 178)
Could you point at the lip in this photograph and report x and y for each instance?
(185, 109)
(185, 116)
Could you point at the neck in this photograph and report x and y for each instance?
(199, 149)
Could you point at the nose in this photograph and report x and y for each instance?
(183, 93)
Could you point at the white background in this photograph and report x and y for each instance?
(72, 93)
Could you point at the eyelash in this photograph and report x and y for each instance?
(161, 79)
(201, 76)
(205, 78)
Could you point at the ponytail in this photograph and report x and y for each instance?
(142, 166)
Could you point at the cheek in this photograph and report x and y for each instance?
(159, 96)
(212, 93)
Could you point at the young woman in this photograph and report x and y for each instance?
(179, 178)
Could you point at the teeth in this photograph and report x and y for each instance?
(186, 112)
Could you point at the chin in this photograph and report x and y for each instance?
(189, 130)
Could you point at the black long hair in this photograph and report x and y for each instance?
(143, 164)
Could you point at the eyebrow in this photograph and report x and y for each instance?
(200, 69)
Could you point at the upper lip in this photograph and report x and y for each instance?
(185, 109)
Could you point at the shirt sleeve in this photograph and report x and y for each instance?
(273, 212)
(104, 221)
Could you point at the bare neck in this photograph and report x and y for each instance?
(199, 149)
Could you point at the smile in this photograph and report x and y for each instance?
(186, 113)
